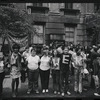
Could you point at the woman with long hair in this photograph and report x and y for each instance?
(78, 71)
(15, 67)
(56, 72)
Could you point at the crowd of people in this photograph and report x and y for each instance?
(60, 61)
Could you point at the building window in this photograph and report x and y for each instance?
(69, 34)
(96, 7)
(38, 39)
(68, 5)
(29, 10)
(37, 5)
(56, 37)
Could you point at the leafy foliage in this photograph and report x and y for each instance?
(93, 26)
(14, 21)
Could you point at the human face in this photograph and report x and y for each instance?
(46, 51)
(15, 50)
(66, 50)
(92, 50)
(55, 53)
(27, 50)
(1, 56)
(33, 53)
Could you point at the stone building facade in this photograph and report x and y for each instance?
(62, 22)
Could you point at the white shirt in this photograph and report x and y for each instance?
(83, 55)
(33, 62)
(59, 49)
(26, 54)
(45, 63)
(78, 61)
(1, 66)
(56, 62)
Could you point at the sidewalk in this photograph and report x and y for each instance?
(23, 89)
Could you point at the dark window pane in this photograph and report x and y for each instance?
(96, 6)
(68, 5)
(37, 4)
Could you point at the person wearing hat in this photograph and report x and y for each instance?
(15, 67)
(2, 72)
(45, 62)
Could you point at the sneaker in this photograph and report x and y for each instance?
(68, 93)
(96, 94)
(58, 92)
(16, 92)
(28, 92)
(13, 95)
(37, 91)
(80, 92)
(55, 92)
(43, 91)
(47, 90)
(63, 94)
(84, 89)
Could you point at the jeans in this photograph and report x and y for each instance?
(97, 87)
(56, 80)
(64, 80)
(23, 76)
(78, 80)
(33, 79)
(2, 75)
(44, 75)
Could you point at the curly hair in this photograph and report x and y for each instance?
(15, 46)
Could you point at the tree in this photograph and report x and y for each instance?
(93, 27)
(14, 22)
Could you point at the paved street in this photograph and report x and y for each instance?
(23, 89)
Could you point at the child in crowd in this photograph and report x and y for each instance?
(15, 66)
(56, 72)
(78, 72)
(64, 69)
(33, 71)
(45, 65)
(2, 72)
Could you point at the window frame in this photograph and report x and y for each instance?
(40, 35)
(68, 5)
(69, 37)
(37, 4)
(96, 7)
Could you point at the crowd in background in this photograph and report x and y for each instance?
(59, 61)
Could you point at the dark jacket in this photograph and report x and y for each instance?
(95, 62)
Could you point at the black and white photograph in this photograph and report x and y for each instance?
(49, 50)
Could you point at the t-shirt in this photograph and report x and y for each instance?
(45, 63)
(56, 63)
(26, 55)
(65, 60)
(1, 66)
(59, 49)
(78, 61)
(33, 62)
